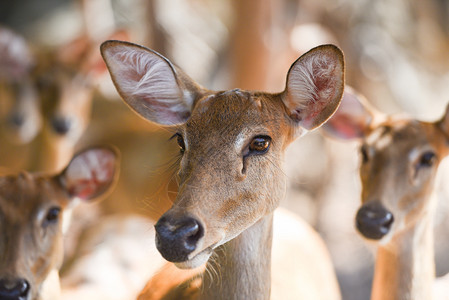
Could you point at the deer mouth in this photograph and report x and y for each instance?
(197, 260)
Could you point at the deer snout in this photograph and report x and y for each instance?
(14, 289)
(16, 119)
(61, 125)
(177, 238)
(373, 220)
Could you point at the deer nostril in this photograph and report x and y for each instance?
(374, 221)
(14, 289)
(176, 239)
(192, 233)
(61, 125)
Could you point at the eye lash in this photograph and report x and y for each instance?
(174, 136)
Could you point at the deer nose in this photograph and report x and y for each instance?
(373, 220)
(16, 119)
(61, 125)
(176, 239)
(14, 289)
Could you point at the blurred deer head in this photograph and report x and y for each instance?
(399, 162)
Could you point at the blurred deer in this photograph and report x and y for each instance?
(34, 210)
(20, 115)
(45, 102)
(231, 147)
(399, 163)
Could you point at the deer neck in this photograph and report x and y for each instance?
(241, 268)
(405, 267)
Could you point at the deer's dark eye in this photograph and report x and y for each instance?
(181, 144)
(259, 145)
(52, 215)
(427, 159)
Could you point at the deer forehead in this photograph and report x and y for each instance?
(402, 142)
(233, 117)
(25, 196)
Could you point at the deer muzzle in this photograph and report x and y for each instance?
(176, 238)
(373, 220)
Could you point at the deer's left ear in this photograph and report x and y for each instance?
(91, 173)
(315, 84)
(443, 123)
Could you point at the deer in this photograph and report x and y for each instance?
(46, 101)
(231, 146)
(400, 157)
(20, 116)
(34, 212)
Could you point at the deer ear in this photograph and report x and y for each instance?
(91, 173)
(352, 119)
(16, 59)
(315, 86)
(149, 83)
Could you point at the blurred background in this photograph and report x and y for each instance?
(397, 55)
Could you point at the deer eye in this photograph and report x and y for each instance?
(427, 159)
(181, 144)
(52, 215)
(259, 145)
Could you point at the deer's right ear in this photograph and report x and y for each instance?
(91, 173)
(16, 59)
(149, 83)
(315, 84)
(352, 119)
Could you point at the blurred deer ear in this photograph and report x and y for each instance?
(352, 119)
(16, 59)
(149, 83)
(443, 123)
(91, 173)
(315, 86)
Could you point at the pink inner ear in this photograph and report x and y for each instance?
(326, 88)
(90, 173)
(351, 120)
(314, 86)
(345, 127)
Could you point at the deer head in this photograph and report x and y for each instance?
(399, 162)
(231, 143)
(33, 208)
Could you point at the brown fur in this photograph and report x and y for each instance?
(393, 174)
(30, 245)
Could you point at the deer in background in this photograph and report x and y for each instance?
(20, 116)
(34, 210)
(399, 163)
(45, 103)
(231, 151)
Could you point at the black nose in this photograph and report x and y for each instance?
(373, 220)
(14, 289)
(16, 119)
(176, 239)
(61, 125)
